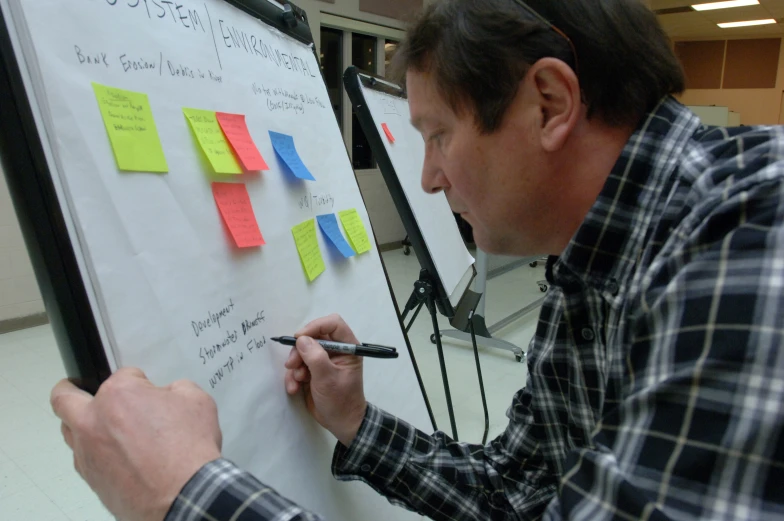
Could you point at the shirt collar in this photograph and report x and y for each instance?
(608, 243)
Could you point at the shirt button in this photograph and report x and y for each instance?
(613, 288)
(587, 333)
(365, 468)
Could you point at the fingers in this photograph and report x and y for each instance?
(295, 378)
(314, 356)
(295, 360)
(67, 435)
(69, 402)
(332, 327)
(129, 372)
(185, 387)
(302, 375)
(292, 386)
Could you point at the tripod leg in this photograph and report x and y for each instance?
(481, 383)
(418, 309)
(421, 385)
(432, 307)
(412, 302)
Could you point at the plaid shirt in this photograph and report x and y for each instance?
(656, 371)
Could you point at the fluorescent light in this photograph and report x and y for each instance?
(748, 23)
(724, 5)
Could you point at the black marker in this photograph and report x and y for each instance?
(369, 350)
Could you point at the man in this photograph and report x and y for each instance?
(656, 371)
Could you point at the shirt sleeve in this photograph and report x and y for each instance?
(699, 434)
(221, 492)
(447, 480)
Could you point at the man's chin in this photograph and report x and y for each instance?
(491, 245)
(499, 246)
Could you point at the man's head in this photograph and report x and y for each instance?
(522, 104)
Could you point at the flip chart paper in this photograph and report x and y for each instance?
(212, 141)
(236, 131)
(131, 128)
(308, 249)
(329, 225)
(284, 147)
(355, 230)
(237, 212)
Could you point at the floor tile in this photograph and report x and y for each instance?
(91, 512)
(12, 480)
(70, 493)
(30, 504)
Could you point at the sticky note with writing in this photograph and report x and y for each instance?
(329, 225)
(210, 137)
(236, 130)
(355, 230)
(131, 128)
(284, 147)
(388, 132)
(237, 212)
(308, 249)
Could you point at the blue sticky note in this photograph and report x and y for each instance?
(284, 147)
(329, 225)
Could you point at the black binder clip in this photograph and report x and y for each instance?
(288, 16)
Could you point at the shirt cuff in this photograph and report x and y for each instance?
(379, 451)
(221, 491)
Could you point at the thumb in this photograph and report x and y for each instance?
(314, 356)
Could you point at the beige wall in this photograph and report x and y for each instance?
(756, 106)
(19, 295)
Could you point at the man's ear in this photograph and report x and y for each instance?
(558, 94)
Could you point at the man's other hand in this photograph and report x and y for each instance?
(136, 444)
(331, 383)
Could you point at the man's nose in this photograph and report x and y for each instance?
(433, 178)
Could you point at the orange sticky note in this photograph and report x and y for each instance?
(388, 132)
(237, 212)
(236, 130)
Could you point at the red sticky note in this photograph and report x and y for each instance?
(390, 137)
(236, 130)
(237, 212)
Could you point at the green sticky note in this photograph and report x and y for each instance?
(308, 249)
(355, 231)
(131, 128)
(212, 141)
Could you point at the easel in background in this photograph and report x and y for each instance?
(368, 93)
(483, 333)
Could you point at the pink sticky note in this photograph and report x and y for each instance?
(237, 212)
(388, 132)
(236, 130)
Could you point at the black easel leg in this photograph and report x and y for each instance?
(418, 309)
(481, 383)
(422, 386)
(432, 307)
(413, 301)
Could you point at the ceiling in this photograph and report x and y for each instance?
(701, 25)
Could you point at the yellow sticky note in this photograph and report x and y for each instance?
(131, 128)
(210, 136)
(355, 230)
(308, 249)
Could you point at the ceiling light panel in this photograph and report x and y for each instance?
(746, 23)
(724, 5)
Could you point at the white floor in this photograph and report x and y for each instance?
(37, 480)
